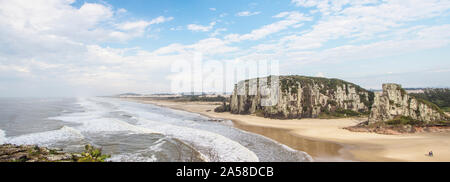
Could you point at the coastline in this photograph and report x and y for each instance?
(325, 139)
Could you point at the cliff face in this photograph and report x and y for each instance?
(394, 101)
(298, 97)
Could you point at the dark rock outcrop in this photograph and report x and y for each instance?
(33, 153)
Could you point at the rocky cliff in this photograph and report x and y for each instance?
(394, 102)
(298, 97)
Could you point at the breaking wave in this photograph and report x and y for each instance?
(48, 137)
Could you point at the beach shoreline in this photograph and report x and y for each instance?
(326, 139)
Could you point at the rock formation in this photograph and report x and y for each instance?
(394, 101)
(33, 153)
(298, 97)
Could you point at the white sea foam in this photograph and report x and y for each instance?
(97, 118)
(111, 125)
(48, 137)
(227, 150)
(2, 137)
(94, 120)
(135, 157)
(138, 155)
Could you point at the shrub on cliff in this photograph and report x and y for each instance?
(403, 120)
(339, 113)
(223, 108)
(92, 154)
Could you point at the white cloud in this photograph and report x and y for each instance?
(133, 25)
(129, 30)
(212, 46)
(424, 38)
(217, 32)
(121, 11)
(140, 25)
(91, 23)
(55, 43)
(55, 17)
(209, 46)
(290, 19)
(247, 13)
(362, 20)
(320, 74)
(201, 28)
(161, 19)
(212, 9)
(327, 7)
(14, 68)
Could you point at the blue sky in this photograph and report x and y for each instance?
(102, 47)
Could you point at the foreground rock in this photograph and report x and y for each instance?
(33, 153)
(394, 102)
(299, 97)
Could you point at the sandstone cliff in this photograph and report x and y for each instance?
(298, 97)
(394, 102)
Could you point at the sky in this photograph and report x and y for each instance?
(64, 48)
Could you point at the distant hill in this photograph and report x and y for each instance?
(129, 95)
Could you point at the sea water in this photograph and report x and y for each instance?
(131, 131)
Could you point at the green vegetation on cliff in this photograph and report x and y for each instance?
(92, 154)
(328, 83)
(438, 96)
(340, 113)
(403, 120)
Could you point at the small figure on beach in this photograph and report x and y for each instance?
(430, 153)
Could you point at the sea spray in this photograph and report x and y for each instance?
(228, 150)
(48, 137)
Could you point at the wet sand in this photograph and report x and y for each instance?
(319, 150)
(324, 139)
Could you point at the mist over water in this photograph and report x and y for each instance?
(133, 132)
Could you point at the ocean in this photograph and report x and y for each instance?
(134, 132)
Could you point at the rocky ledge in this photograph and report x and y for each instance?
(34, 153)
(398, 129)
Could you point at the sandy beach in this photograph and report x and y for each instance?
(325, 140)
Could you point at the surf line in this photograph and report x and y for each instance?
(187, 172)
